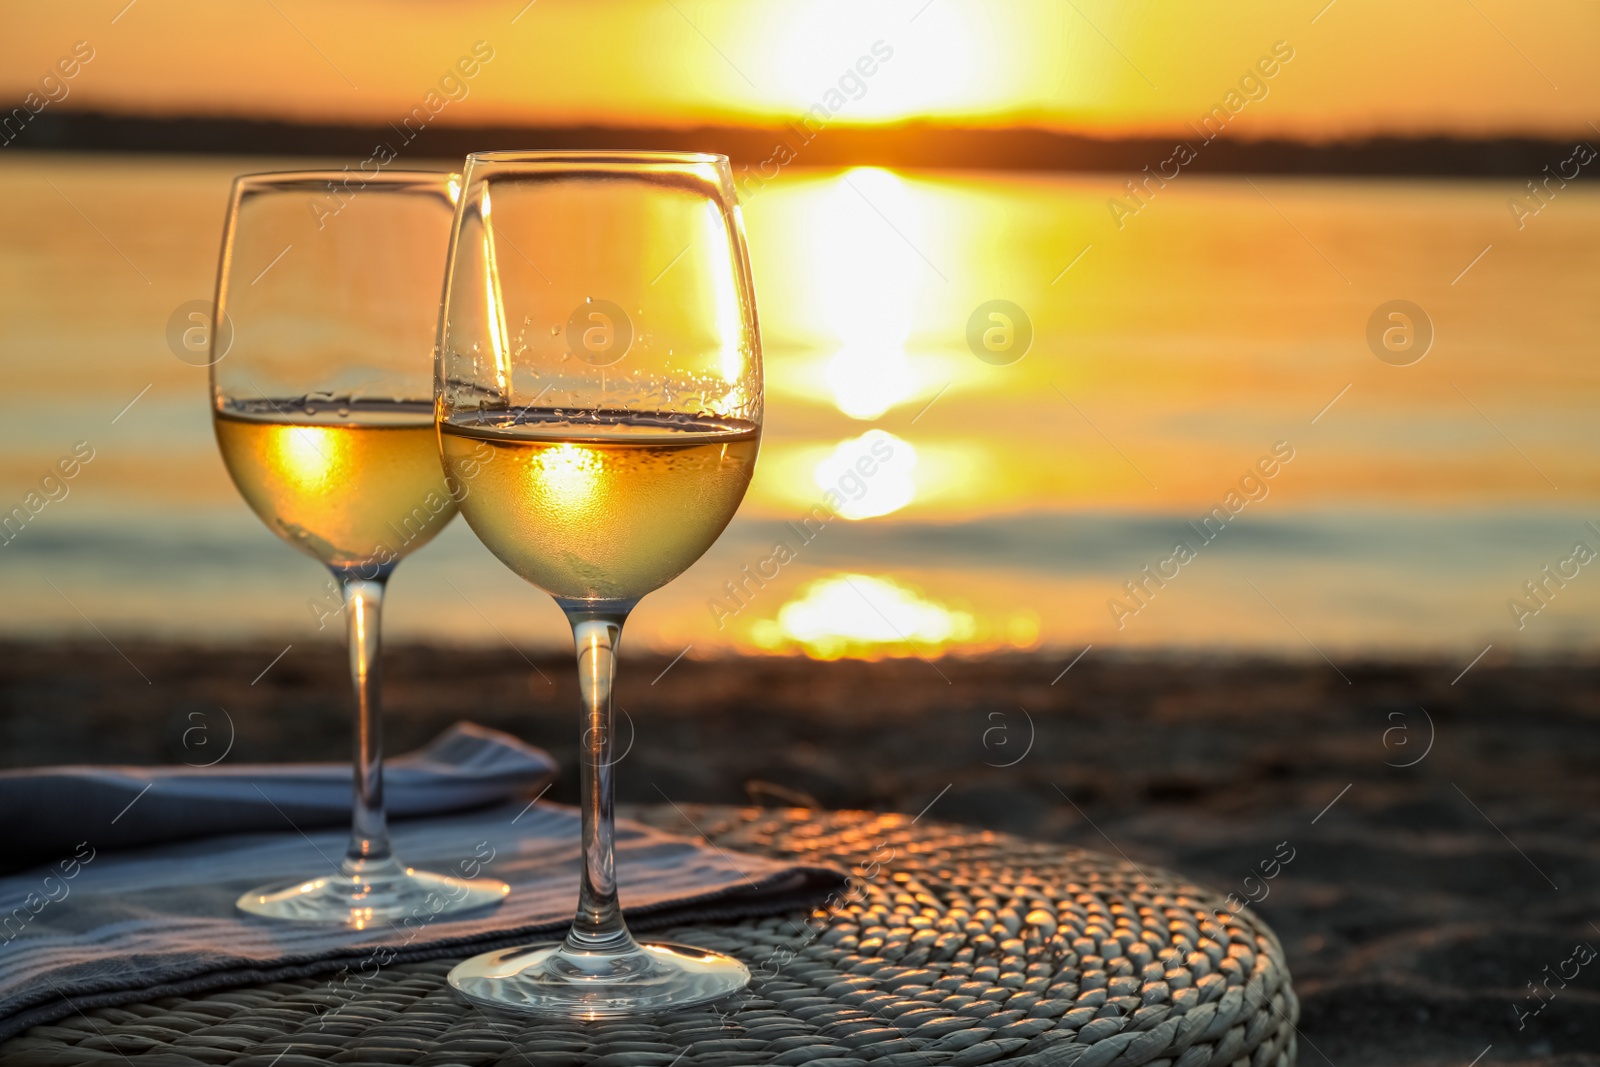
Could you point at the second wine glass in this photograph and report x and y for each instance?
(599, 336)
(326, 296)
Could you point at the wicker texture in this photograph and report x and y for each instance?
(956, 947)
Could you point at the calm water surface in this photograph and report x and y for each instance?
(1220, 333)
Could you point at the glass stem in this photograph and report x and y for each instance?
(369, 828)
(598, 927)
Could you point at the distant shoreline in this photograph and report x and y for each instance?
(903, 146)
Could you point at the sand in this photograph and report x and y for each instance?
(1419, 903)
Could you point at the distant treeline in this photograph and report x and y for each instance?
(914, 145)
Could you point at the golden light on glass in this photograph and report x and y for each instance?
(299, 477)
(537, 500)
(567, 475)
(726, 312)
(499, 334)
(307, 457)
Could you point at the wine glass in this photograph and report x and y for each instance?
(330, 284)
(599, 336)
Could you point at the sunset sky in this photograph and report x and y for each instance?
(1358, 67)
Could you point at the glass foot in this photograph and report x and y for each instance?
(549, 980)
(366, 893)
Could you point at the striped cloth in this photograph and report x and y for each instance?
(99, 927)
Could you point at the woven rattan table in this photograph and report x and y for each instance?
(957, 946)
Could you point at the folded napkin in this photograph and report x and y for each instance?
(98, 927)
(47, 812)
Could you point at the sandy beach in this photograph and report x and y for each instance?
(1419, 903)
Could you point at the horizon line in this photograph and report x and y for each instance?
(906, 145)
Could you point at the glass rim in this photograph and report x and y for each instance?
(267, 179)
(601, 156)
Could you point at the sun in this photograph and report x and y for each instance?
(883, 63)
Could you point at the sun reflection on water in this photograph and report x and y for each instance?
(858, 614)
(870, 474)
(866, 278)
(873, 616)
(866, 382)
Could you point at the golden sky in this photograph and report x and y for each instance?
(1464, 67)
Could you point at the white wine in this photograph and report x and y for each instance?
(350, 482)
(607, 507)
